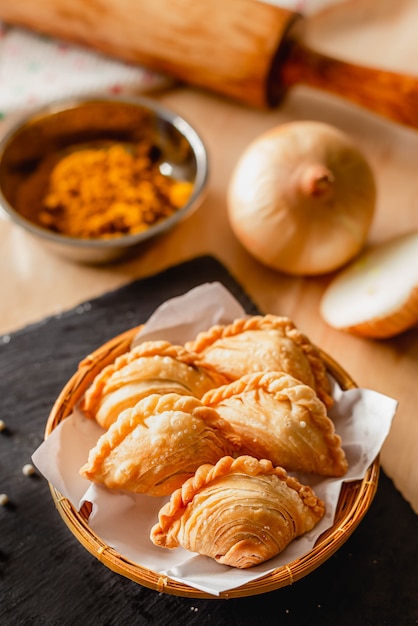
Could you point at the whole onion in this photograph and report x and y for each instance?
(301, 198)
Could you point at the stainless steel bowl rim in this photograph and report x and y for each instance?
(179, 122)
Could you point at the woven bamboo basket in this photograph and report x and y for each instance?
(355, 497)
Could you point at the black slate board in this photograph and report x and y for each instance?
(48, 578)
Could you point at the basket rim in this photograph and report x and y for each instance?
(355, 497)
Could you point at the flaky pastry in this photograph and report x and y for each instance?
(277, 417)
(241, 512)
(151, 367)
(155, 446)
(263, 343)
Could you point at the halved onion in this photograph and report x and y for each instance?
(376, 295)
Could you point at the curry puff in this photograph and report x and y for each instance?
(241, 512)
(263, 343)
(155, 446)
(277, 417)
(151, 367)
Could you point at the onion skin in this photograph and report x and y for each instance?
(302, 198)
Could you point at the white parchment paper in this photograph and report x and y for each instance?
(362, 418)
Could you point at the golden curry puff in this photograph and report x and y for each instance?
(151, 367)
(155, 446)
(263, 343)
(277, 417)
(240, 512)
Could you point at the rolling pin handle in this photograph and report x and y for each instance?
(389, 94)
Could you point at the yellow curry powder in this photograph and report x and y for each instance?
(102, 192)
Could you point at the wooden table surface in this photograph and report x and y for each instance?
(36, 284)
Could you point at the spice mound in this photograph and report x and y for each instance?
(110, 190)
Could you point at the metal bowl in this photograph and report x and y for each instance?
(67, 124)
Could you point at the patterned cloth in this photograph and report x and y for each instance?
(35, 69)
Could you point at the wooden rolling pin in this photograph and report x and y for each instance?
(244, 49)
